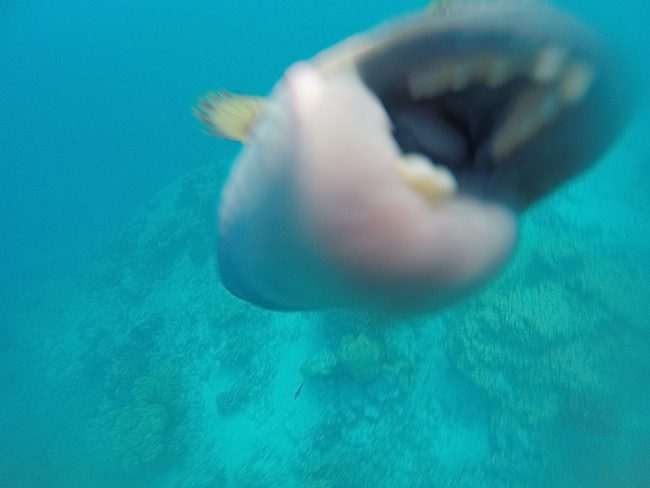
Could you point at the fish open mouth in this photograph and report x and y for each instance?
(469, 115)
(503, 102)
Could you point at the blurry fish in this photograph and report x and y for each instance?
(389, 170)
(298, 391)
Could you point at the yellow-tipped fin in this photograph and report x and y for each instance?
(229, 115)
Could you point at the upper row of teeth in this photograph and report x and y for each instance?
(551, 65)
(556, 81)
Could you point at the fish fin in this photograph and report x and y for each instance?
(438, 7)
(229, 115)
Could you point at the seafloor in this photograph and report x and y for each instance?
(146, 372)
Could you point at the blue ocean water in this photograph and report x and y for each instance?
(124, 362)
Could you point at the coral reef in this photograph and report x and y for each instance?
(321, 365)
(184, 385)
(544, 351)
(357, 357)
(153, 314)
(238, 341)
(261, 469)
(141, 429)
(360, 358)
(180, 223)
(235, 398)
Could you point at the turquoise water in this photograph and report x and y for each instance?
(124, 362)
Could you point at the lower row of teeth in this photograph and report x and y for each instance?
(434, 183)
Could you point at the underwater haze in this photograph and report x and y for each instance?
(124, 362)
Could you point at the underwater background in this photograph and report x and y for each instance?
(124, 362)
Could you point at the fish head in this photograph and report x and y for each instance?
(391, 169)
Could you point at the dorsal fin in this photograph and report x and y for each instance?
(438, 7)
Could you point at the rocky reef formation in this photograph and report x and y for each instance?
(549, 344)
(536, 378)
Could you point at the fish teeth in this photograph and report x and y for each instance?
(576, 82)
(549, 64)
(554, 82)
(429, 84)
(460, 75)
(499, 71)
(534, 108)
(433, 182)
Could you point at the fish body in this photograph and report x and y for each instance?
(390, 169)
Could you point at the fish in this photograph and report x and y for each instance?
(389, 171)
(298, 391)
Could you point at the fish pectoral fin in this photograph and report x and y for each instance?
(229, 115)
